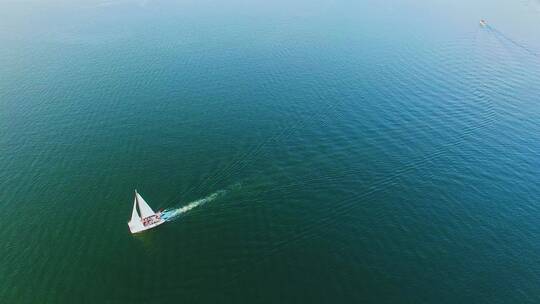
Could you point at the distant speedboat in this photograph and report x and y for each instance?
(147, 219)
(483, 22)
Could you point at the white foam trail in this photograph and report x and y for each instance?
(170, 214)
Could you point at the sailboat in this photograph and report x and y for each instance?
(147, 219)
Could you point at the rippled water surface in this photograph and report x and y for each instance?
(311, 151)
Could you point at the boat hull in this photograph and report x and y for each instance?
(138, 226)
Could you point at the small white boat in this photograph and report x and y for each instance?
(483, 22)
(147, 219)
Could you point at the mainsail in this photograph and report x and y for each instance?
(146, 211)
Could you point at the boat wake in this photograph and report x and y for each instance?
(500, 35)
(171, 214)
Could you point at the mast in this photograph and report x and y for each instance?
(137, 201)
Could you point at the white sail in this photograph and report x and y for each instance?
(134, 214)
(146, 211)
(135, 223)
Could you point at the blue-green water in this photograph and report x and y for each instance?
(320, 151)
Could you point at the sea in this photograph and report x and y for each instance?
(322, 151)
